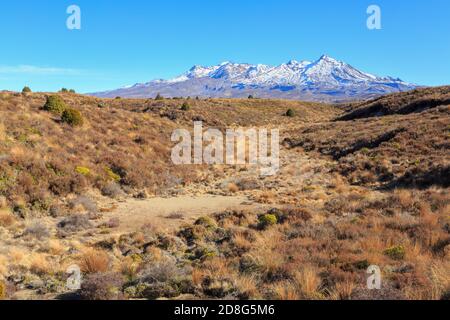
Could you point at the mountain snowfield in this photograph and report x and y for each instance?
(326, 79)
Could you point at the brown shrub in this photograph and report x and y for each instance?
(94, 261)
(6, 218)
(101, 286)
(233, 188)
(37, 229)
(39, 264)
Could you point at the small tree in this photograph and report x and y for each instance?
(26, 89)
(64, 90)
(251, 97)
(72, 117)
(185, 106)
(55, 105)
(72, 91)
(290, 113)
(159, 97)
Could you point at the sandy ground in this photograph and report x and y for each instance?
(298, 171)
(169, 213)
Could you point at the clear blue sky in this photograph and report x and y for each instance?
(124, 42)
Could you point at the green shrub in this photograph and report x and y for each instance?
(159, 97)
(290, 113)
(267, 220)
(64, 90)
(207, 222)
(55, 105)
(26, 90)
(72, 117)
(251, 97)
(395, 252)
(72, 91)
(365, 150)
(101, 286)
(83, 171)
(185, 106)
(111, 174)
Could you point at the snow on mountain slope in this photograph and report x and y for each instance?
(326, 79)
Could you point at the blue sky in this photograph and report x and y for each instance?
(124, 42)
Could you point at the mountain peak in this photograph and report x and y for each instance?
(322, 80)
(327, 58)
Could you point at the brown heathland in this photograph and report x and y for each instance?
(359, 185)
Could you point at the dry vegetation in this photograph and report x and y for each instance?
(365, 184)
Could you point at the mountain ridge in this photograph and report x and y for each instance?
(324, 80)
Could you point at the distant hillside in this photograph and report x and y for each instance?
(401, 140)
(401, 103)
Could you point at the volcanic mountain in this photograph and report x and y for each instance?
(326, 79)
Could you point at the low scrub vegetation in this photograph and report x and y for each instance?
(72, 117)
(349, 195)
(55, 104)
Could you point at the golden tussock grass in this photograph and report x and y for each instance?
(285, 291)
(247, 286)
(267, 196)
(3, 266)
(343, 290)
(308, 282)
(232, 187)
(17, 255)
(197, 276)
(55, 247)
(7, 219)
(39, 264)
(93, 261)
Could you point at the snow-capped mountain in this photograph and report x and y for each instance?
(326, 79)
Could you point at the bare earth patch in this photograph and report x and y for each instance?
(133, 213)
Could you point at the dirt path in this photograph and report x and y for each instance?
(302, 179)
(169, 213)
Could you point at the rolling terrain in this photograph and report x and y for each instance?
(360, 184)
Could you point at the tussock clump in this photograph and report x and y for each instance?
(75, 223)
(37, 230)
(94, 261)
(6, 218)
(83, 203)
(161, 278)
(113, 190)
